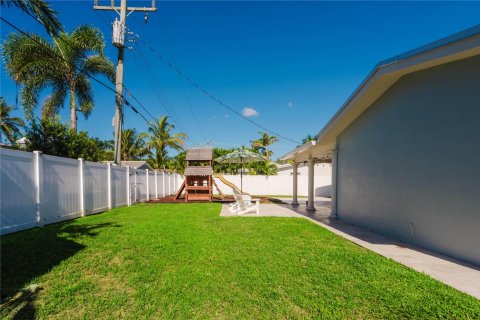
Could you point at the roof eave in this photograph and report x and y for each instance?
(301, 149)
(389, 71)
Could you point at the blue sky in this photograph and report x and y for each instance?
(294, 63)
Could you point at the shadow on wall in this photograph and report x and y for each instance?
(32, 253)
(324, 191)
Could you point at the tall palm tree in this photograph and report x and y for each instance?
(133, 145)
(262, 144)
(40, 10)
(160, 138)
(63, 66)
(9, 126)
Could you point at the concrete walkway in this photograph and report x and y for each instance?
(455, 273)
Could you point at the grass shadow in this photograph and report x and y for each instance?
(29, 254)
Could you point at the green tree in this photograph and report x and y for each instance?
(177, 163)
(54, 138)
(134, 146)
(266, 168)
(160, 137)
(309, 138)
(40, 10)
(262, 145)
(63, 66)
(9, 125)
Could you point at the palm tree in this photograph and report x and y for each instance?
(9, 126)
(63, 66)
(133, 145)
(308, 138)
(176, 163)
(40, 10)
(160, 138)
(263, 143)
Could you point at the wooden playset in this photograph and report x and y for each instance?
(198, 175)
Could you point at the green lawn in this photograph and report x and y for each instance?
(163, 261)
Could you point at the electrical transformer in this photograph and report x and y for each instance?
(118, 34)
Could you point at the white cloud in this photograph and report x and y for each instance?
(249, 112)
(290, 104)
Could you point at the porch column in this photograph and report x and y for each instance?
(333, 212)
(311, 199)
(295, 184)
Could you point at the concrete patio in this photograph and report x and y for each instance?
(455, 273)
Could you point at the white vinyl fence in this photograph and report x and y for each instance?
(277, 185)
(37, 189)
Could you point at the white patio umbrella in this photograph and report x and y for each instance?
(241, 156)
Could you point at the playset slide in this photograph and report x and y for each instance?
(228, 183)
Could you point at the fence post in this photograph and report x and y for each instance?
(163, 183)
(156, 185)
(148, 189)
(169, 186)
(82, 187)
(136, 187)
(109, 184)
(38, 185)
(129, 202)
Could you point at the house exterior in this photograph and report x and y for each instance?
(405, 148)
(321, 169)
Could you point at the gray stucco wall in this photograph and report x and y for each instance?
(409, 167)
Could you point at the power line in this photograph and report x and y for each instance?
(157, 90)
(77, 68)
(151, 78)
(155, 79)
(83, 55)
(220, 102)
(104, 18)
(185, 77)
(139, 103)
(170, 48)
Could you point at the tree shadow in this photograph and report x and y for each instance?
(32, 253)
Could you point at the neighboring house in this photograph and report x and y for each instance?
(321, 169)
(392, 146)
(141, 164)
(22, 143)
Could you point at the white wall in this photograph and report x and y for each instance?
(277, 185)
(321, 169)
(38, 189)
(395, 172)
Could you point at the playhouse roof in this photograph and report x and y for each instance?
(199, 154)
(198, 171)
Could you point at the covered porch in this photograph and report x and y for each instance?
(312, 153)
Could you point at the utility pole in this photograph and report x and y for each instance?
(118, 40)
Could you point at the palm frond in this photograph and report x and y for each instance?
(9, 126)
(99, 65)
(55, 101)
(84, 93)
(40, 10)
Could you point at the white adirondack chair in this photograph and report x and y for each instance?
(244, 204)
